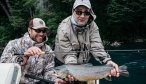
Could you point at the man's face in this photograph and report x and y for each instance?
(37, 35)
(81, 15)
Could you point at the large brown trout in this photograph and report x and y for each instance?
(87, 72)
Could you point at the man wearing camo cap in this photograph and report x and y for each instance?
(29, 50)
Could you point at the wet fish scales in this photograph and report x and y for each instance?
(87, 72)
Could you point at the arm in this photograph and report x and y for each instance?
(15, 47)
(101, 55)
(96, 45)
(49, 72)
(63, 45)
(8, 53)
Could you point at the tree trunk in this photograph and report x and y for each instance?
(5, 10)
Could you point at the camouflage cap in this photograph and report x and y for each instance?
(37, 23)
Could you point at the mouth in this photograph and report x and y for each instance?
(81, 20)
(41, 36)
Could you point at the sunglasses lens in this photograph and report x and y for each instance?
(80, 13)
(40, 30)
(44, 31)
(87, 13)
(37, 31)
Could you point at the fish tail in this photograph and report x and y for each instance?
(123, 71)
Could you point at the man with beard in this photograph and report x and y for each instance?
(30, 56)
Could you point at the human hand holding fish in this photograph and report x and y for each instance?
(115, 70)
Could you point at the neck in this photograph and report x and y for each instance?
(75, 23)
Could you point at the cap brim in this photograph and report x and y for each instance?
(39, 27)
(81, 5)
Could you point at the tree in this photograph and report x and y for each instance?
(125, 17)
(5, 7)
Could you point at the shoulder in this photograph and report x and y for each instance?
(15, 41)
(93, 25)
(13, 44)
(65, 25)
(66, 20)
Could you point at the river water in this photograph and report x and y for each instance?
(135, 61)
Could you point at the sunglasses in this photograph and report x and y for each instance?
(86, 13)
(40, 30)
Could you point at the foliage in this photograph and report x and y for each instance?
(125, 18)
(59, 9)
(118, 20)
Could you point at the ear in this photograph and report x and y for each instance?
(28, 29)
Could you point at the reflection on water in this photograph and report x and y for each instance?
(136, 63)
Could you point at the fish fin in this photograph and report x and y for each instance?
(123, 71)
(109, 78)
(126, 74)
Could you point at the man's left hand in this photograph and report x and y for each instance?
(115, 71)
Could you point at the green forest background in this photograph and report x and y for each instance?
(118, 20)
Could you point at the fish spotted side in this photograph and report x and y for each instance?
(87, 72)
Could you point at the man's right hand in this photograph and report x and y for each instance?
(30, 52)
(33, 51)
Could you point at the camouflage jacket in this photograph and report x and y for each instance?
(40, 66)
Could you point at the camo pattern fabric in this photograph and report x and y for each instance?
(40, 66)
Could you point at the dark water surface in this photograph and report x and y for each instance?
(135, 61)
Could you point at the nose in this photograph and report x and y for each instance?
(82, 15)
